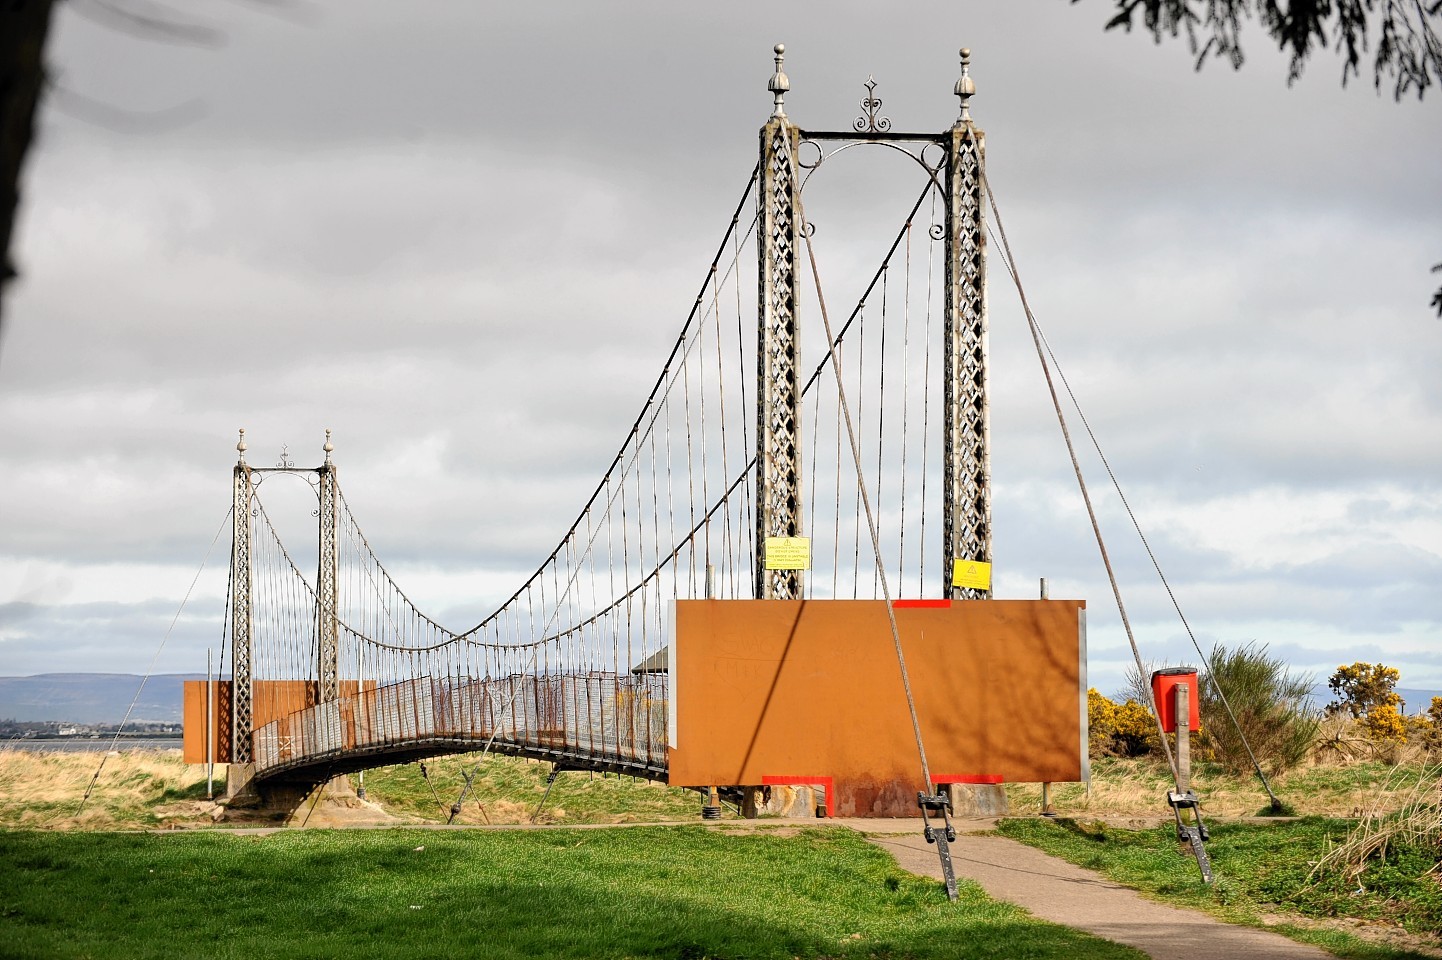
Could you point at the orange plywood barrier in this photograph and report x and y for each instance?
(810, 691)
(270, 700)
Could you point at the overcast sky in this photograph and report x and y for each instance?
(464, 235)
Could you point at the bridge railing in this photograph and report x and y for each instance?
(596, 719)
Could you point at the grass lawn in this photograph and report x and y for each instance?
(508, 790)
(684, 892)
(1262, 870)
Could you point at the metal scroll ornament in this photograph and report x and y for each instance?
(871, 104)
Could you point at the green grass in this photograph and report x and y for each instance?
(682, 892)
(508, 790)
(1261, 869)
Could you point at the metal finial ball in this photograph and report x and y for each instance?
(965, 86)
(779, 83)
(241, 445)
(328, 445)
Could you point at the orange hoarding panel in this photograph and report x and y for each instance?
(768, 689)
(206, 708)
(270, 700)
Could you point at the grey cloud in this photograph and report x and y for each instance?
(463, 237)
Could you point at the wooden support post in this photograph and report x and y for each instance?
(711, 807)
(1184, 753)
(209, 730)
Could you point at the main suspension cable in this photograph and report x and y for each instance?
(1043, 344)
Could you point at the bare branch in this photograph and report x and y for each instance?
(148, 21)
(1406, 31)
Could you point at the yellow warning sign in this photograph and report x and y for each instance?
(788, 553)
(971, 573)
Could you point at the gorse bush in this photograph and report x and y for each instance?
(1367, 693)
(1119, 729)
(1426, 728)
(1363, 687)
(1272, 709)
(1384, 724)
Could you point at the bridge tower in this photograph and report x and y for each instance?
(246, 479)
(242, 688)
(966, 463)
(778, 352)
(966, 458)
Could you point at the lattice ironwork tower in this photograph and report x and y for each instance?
(778, 358)
(241, 687)
(326, 587)
(966, 464)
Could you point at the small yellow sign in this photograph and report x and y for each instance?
(788, 553)
(971, 573)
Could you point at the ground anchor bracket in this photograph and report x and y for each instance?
(1193, 833)
(939, 832)
(556, 771)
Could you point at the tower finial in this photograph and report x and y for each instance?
(328, 447)
(965, 87)
(240, 447)
(779, 83)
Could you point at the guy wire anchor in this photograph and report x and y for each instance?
(941, 834)
(1195, 835)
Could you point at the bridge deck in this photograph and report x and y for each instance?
(593, 721)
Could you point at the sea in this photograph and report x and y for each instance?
(85, 744)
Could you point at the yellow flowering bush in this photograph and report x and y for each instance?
(1384, 724)
(1119, 730)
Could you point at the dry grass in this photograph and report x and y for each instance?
(1416, 824)
(1138, 788)
(136, 788)
(148, 789)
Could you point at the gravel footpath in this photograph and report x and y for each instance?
(1055, 890)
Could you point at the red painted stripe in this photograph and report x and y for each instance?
(967, 778)
(806, 782)
(939, 604)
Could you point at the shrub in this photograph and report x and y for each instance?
(1426, 728)
(1363, 686)
(1384, 724)
(1101, 723)
(1272, 709)
(1119, 730)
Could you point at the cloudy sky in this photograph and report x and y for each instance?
(463, 237)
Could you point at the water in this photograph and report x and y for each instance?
(84, 744)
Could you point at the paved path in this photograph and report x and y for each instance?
(1062, 893)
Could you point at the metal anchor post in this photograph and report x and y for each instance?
(942, 834)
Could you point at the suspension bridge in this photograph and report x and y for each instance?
(781, 577)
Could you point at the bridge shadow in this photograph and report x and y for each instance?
(642, 892)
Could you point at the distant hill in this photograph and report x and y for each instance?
(1417, 701)
(93, 697)
(1414, 699)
